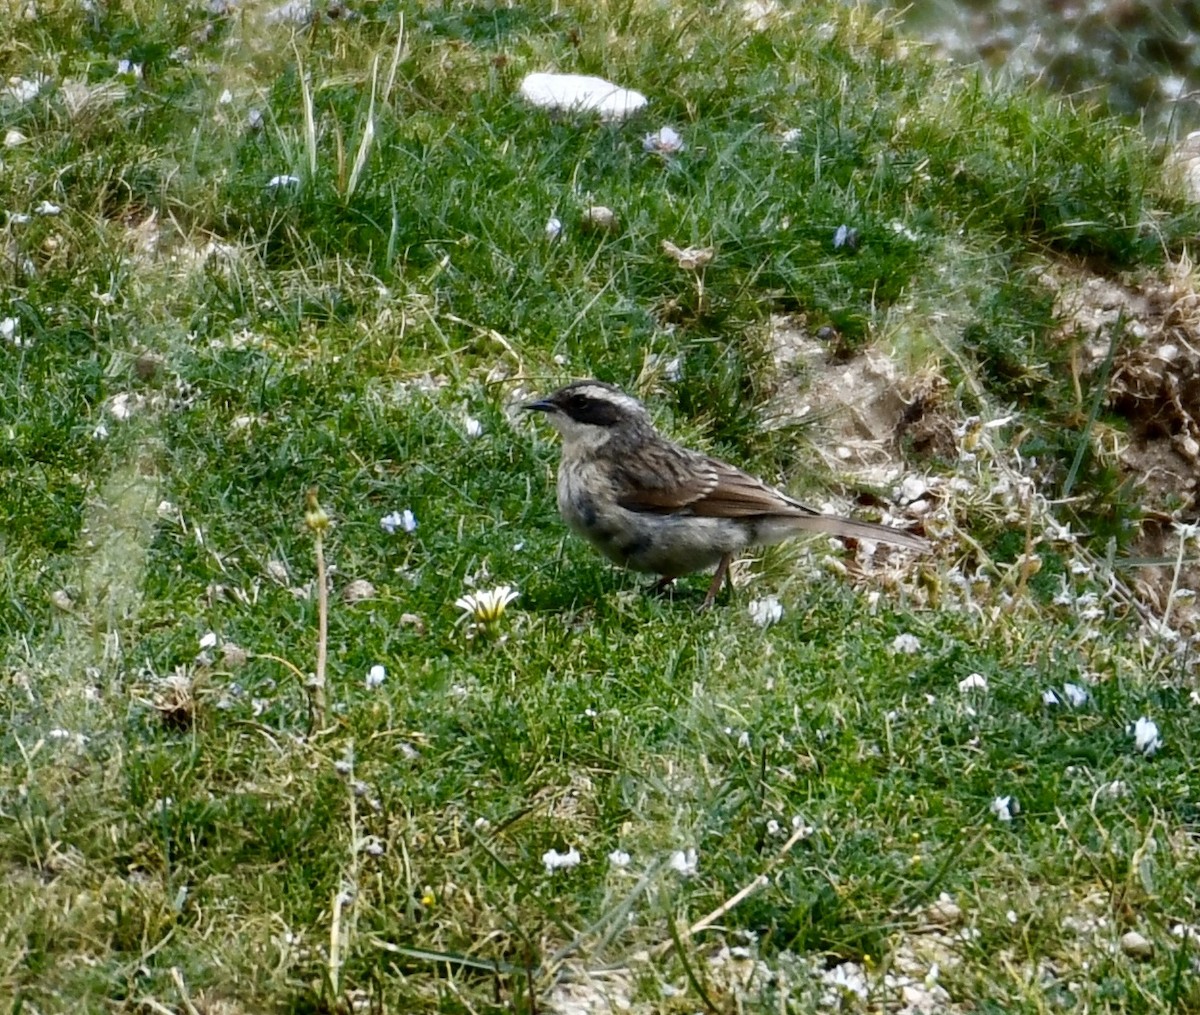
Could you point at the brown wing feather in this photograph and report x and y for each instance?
(737, 494)
(686, 482)
(692, 483)
(679, 480)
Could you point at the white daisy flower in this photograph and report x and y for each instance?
(488, 605)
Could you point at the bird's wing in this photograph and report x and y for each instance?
(684, 481)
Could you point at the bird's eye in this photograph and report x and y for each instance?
(579, 401)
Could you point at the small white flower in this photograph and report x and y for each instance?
(554, 860)
(481, 824)
(1011, 916)
(10, 331)
(554, 227)
(906, 644)
(375, 677)
(47, 208)
(23, 89)
(772, 827)
(404, 520)
(1145, 736)
(127, 67)
(664, 141)
(124, 404)
(487, 606)
(802, 827)
(766, 611)
(472, 427)
(283, 180)
(684, 862)
(619, 858)
(1004, 807)
(208, 640)
(973, 682)
(1076, 696)
(225, 98)
(847, 978)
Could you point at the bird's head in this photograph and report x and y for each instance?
(589, 413)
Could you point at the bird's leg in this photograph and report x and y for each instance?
(721, 575)
(661, 585)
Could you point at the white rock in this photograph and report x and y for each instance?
(1133, 944)
(581, 93)
(599, 217)
(293, 12)
(912, 488)
(973, 682)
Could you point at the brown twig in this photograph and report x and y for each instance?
(736, 899)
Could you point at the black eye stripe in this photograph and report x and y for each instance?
(592, 411)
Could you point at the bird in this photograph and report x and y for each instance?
(652, 505)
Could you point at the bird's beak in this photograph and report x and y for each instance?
(541, 405)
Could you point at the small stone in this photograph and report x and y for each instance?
(600, 218)
(413, 621)
(581, 93)
(233, 655)
(1136, 946)
(148, 366)
(62, 600)
(945, 912)
(358, 590)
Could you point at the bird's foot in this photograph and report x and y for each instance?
(715, 587)
(662, 586)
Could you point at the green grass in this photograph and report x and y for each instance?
(175, 832)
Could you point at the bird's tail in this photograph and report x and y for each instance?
(849, 528)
